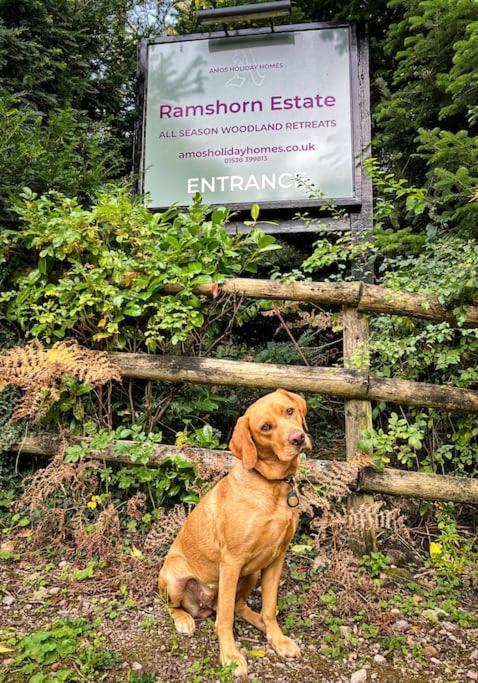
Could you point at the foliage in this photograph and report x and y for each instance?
(42, 374)
(68, 92)
(375, 563)
(414, 258)
(398, 207)
(401, 441)
(204, 667)
(170, 481)
(101, 272)
(58, 54)
(200, 437)
(452, 553)
(31, 154)
(9, 430)
(440, 353)
(105, 511)
(70, 650)
(452, 174)
(432, 83)
(10, 486)
(398, 204)
(334, 253)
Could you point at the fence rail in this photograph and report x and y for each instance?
(364, 297)
(391, 481)
(348, 383)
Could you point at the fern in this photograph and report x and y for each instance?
(39, 372)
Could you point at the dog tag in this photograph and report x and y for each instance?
(292, 498)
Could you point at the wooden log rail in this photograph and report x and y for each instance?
(365, 297)
(351, 384)
(391, 481)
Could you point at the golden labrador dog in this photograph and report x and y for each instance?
(240, 530)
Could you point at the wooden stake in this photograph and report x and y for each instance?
(358, 413)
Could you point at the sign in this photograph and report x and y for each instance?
(264, 117)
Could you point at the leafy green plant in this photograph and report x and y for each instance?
(169, 481)
(334, 252)
(452, 553)
(87, 157)
(203, 667)
(73, 647)
(397, 642)
(15, 521)
(140, 677)
(415, 256)
(101, 272)
(202, 437)
(444, 597)
(401, 441)
(149, 623)
(86, 573)
(375, 563)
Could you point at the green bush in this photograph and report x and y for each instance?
(62, 151)
(410, 258)
(100, 273)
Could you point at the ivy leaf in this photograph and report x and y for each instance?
(133, 310)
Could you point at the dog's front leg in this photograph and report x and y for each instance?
(228, 578)
(270, 578)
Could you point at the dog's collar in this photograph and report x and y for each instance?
(292, 496)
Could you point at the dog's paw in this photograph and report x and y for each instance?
(184, 623)
(285, 647)
(240, 669)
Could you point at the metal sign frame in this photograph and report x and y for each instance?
(360, 112)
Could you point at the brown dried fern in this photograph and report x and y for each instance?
(99, 539)
(74, 480)
(164, 531)
(211, 471)
(330, 484)
(39, 372)
(359, 520)
(135, 506)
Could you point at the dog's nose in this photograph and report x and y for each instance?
(297, 437)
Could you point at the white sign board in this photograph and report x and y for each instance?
(252, 118)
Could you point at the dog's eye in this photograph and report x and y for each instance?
(266, 427)
(289, 411)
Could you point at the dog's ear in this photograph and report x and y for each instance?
(300, 403)
(241, 443)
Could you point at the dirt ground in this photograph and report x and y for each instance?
(418, 643)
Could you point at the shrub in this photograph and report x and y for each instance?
(100, 273)
(62, 151)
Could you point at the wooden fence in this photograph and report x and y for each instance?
(354, 382)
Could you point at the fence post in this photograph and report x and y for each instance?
(358, 413)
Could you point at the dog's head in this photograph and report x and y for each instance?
(272, 430)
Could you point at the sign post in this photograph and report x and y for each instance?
(278, 117)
